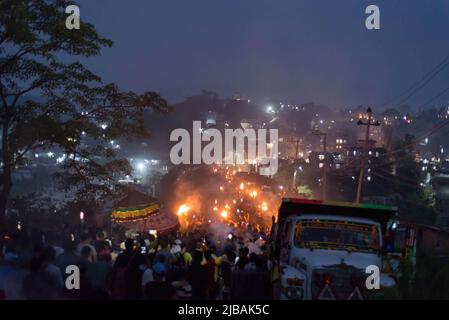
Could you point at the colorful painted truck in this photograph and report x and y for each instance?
(325, 249)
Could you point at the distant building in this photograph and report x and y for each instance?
(333, 159)
(354, 153)
(290, 147)
(440, 185)
(209, 118)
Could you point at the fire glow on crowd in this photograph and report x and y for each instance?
(230, 196)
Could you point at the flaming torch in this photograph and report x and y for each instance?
(224, 214)
(183, 210)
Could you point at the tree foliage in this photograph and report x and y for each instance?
(50, 100)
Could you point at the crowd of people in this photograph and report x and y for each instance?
(190, 265)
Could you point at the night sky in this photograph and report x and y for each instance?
(290, 50)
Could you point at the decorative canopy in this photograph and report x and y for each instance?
(139, 211)
(135, 206)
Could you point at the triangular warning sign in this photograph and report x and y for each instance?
(326, 294)
(355, 294)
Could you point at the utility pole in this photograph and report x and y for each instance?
(295, 140)
(365, 151)
(324, 136)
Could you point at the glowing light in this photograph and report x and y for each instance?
(141, 166)
(183, 210)
(224, 214)
(82, 216)
(264, 206)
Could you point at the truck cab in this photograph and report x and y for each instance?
(325, 248)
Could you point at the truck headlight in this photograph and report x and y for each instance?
(294, 293)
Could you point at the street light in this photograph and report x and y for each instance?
(141, 166)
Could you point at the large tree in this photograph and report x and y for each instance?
(48, 100)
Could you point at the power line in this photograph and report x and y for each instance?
(420, 83)
(434, 98)
(431, 132)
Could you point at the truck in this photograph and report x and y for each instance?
(327, 250)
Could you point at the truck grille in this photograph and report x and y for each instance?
(338, 282)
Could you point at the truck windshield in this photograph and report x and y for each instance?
(330, 234)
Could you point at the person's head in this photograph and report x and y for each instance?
(129, 244)
(10, 258)
(164, 244)
(35, 264)
(260, 262)
(252, 257)
(231, 256)
(208, 255)
(197, 256)
(158, 270)
(49, 254)
(69, 246)
(140, 259)
(50, 238)
(243, 252)
(11, 247)
(100, 235)
(160, 258)
(38, 248)
(213, 249)
(158, 276)
(85, 237)
(85, 252)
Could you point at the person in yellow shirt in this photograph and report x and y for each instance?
(186, 255)
(217, 260)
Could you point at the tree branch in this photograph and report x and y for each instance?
(21, 154)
